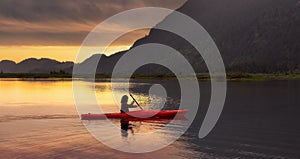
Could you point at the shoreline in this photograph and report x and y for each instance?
(202, 76)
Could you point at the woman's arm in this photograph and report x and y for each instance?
(131, 105)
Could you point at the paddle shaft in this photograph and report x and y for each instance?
(136, 101)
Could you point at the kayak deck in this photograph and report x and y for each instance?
(142, 114)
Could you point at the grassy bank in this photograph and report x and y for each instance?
(204, 76)
(275, 76)
(231, 76)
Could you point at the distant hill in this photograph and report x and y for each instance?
(105, 64)
(33, 65)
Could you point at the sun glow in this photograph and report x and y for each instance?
(60, 53)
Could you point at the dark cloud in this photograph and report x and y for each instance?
(65, 38)
(42, 38)
(61, 22)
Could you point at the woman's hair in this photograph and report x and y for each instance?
(124, 99)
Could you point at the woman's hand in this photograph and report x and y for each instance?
(132, 103)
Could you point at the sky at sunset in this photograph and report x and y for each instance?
(55, 28)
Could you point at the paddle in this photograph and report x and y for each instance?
(135, 101)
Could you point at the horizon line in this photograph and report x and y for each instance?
(49, 58)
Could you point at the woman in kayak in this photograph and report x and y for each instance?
(124, 106)
(125, 126)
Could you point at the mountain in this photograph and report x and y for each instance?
(253, 36)
(256, 36)
(33, 65)
(105, 64)
(7, 66)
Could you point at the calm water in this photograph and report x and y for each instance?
(260, 120)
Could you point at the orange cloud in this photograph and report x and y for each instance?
(55, 29)
(56, 22)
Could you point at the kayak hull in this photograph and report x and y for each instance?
(143, 114)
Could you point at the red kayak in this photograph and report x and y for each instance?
(157, 119)
(142, 114)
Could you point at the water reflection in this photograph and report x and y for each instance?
(125, 127)
(110, 101)
(32, 93)
(260, 119)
